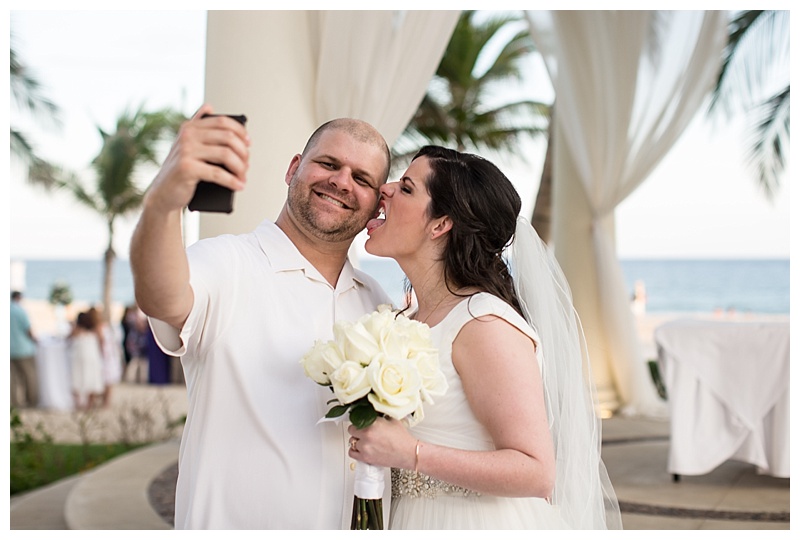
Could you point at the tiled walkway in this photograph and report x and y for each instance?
(117, 495)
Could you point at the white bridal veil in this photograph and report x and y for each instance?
(583, 491)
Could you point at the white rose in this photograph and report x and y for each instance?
(321, 361)
(350, 382)
(396, 335)
(355, 342)
(379, 324)
(416, 335)
(396, 386)
(434, 383)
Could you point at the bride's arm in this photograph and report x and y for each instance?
(502, 382)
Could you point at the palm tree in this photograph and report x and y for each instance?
(115, 192)
(458, 109)
(755, 64)
(26, 93)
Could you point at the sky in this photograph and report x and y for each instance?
(701, 202)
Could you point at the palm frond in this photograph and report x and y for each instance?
(770, 142)
(755, 64)
(484, 54)
(20, 146)
(758, 40)
(27, 92)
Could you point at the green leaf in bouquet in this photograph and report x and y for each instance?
(362, 415)
(337, 411)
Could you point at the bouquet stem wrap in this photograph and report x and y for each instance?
(369, 483)
(368, 500)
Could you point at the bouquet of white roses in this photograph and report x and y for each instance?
(384, 363)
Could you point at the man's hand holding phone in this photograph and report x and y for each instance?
(210, 149)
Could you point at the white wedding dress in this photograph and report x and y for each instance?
(420, 502)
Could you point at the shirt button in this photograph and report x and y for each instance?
(353, 466)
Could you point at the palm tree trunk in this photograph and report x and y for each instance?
(108, 275)
(543, 208)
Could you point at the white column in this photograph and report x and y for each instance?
(574, 249)
(258, 63)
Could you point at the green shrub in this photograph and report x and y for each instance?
(36, 461)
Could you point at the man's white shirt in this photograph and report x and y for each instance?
(252, 455)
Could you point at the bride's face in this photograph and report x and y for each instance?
(401, 230)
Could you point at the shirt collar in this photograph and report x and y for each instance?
(283, 256)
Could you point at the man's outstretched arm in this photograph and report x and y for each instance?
(158, 258)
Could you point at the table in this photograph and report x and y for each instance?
(728, 392)
(53, 373)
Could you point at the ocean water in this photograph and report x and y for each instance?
(756, 286)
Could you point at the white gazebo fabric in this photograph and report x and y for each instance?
(381, 71)
(627, 83)
(289, 71)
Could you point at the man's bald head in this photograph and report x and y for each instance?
(358, 130)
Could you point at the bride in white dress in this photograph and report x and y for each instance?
(514, 443)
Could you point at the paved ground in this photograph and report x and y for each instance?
(134, 491)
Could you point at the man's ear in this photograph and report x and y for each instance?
(441, 227)
(293, 165)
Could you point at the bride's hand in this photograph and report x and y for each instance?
(386, 443)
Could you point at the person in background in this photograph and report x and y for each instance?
(110, 353)
(159, 363)
(639, 299)
(22, 345)
(136, 346)
(86, 363)
(128, 323)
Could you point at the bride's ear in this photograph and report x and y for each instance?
(441, 227)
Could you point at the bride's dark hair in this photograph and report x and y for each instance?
(483, 206)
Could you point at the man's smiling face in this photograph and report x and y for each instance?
(333, 190)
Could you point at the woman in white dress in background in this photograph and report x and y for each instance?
(514, 443)
(110, 354)
(86, 363)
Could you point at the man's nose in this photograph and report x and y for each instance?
(342, 178)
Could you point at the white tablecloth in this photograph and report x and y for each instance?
(53, 370)
(728, 391)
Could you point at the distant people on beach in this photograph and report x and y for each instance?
(86, 362)
(159, 363)
(111, 354)
(128, 324)
(135, 339)
(242, 310)
(639, 298)
(22, 345)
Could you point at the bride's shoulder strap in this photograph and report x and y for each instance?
(484, 304)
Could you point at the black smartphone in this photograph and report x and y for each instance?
(211, 197)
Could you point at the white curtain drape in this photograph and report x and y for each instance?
(627, 83)
(376, 65)
(290, 71)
